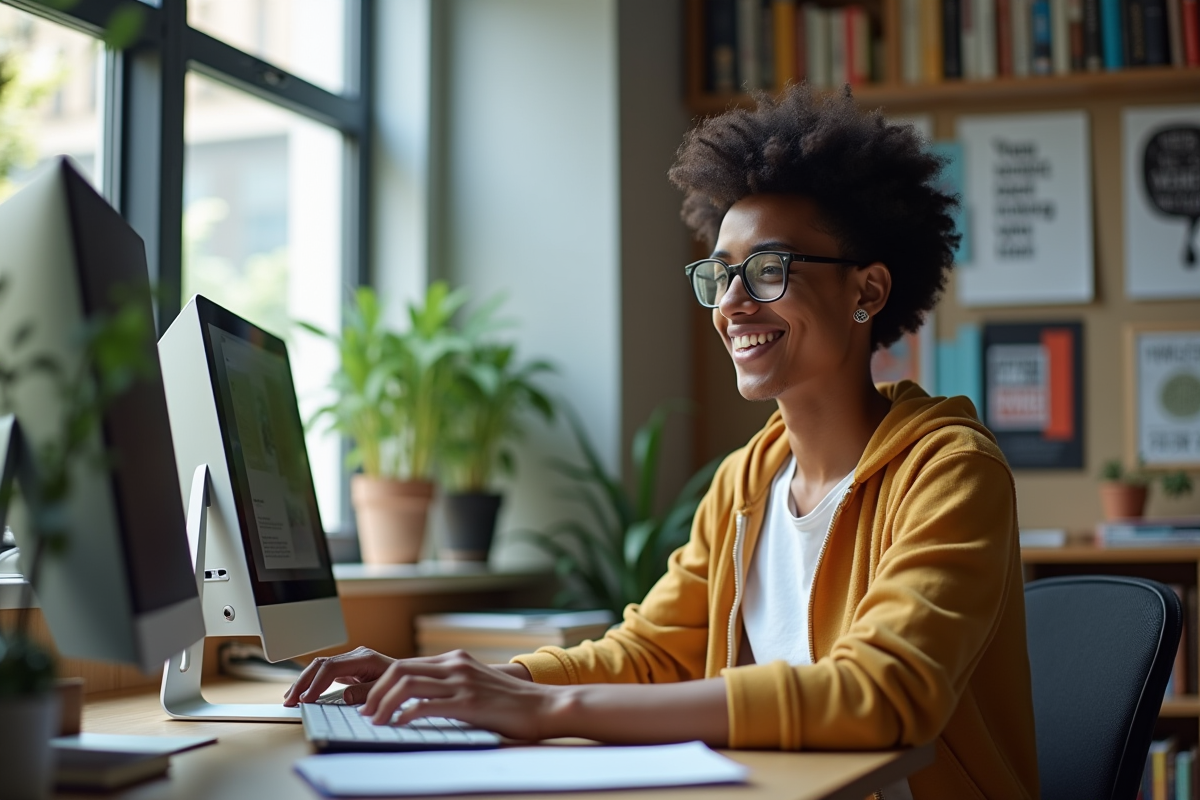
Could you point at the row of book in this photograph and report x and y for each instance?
(985, 39)
(1170, 772)
(1173, 532)
(765, 44)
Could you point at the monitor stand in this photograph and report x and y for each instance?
(181, 695)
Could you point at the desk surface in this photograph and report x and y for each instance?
(254, 760)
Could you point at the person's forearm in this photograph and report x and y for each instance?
(642, 713)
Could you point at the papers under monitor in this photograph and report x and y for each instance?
(519, 769)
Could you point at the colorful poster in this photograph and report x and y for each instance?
(1029, 193)
(1166, 385)
(1161, 151)
(1032, 397)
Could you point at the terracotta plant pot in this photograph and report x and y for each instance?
(392, 516)
(470, 525)
(27, 723)
(1122, 500)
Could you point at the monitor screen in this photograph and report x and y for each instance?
(264, 446)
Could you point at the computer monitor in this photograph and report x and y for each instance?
(123, 589)
(239, 447)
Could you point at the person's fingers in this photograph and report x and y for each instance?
(360, 664)
(356, 693)
(408, 687)
(292, 695)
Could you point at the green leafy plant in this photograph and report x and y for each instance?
(1176, 484)
(617, 547)
(1115, 472)
(491, 390)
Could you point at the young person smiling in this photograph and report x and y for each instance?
(852, 580)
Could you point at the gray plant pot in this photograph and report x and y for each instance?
(470, 525)
(27, 723)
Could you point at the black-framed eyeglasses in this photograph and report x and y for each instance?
(765, 275)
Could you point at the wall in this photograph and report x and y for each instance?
(1067, 498)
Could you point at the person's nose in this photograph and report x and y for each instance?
(736, 300)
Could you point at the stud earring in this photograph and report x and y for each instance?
(861, 316)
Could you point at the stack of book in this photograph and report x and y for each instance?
(985, 39)
(1181, 531)
(765, 44)
(1170, 772)
(494, 637)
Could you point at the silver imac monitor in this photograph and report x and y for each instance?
(252, 509)
(123, 589)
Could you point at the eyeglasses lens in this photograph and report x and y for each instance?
(765, 274)
(710, 282)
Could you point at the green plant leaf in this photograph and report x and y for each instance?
(125, 25)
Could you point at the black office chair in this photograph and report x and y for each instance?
(1101, 648)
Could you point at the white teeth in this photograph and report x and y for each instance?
(753, 340)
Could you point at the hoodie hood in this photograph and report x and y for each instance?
(914, 414)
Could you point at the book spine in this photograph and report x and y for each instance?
(1158, 781)
(1075, 25)
(910, 41)
(801, 44)
(1191, 31)
(932, 66)
(1111, 28)
(749, 39)
(816, 31)
(1175, 32)
(985, 29)
(1126, 24)
(1022, 44)
(1154, 22)
(858, 40)
(766, 51)
(722, 45)
(1041, 37)
(968, 40)
(1183, 774)
(952, 61)
(785, 42)
(1093, 46)
(1004, 39)
(838, 73)
(1060, 38)
(1136, 33)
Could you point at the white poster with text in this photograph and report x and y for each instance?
(1029, 188)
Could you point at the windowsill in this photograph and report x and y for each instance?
(364, 580)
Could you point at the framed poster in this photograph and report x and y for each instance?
(1163, 394)
(1161, 151)
(1032, 392)
(912, 357)
(1029, 192)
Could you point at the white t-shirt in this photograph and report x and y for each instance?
(779, 582)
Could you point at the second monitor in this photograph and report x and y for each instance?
(251, 506)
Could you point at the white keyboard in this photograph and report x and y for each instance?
(335, 727)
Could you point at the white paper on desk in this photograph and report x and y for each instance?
(519, 769)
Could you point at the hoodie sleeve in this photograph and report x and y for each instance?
(939, 593)
(664, 638)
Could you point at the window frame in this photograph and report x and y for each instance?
(142, 152)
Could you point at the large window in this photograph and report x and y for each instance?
(232, 135)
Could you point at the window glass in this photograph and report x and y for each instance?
(305, 37)
(263, 237)
(50, 97)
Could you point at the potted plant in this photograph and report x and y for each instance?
(1122, 492)
(389, 401)
(617, 547)
(491, 391)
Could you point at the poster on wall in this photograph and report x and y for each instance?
(1029, 192)
(1163, 363)
(1161, 154)
(1032, 392)
(910, 358)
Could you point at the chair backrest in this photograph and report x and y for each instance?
(1101, 648)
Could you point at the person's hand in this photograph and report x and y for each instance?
(359, 668)
(457, 686)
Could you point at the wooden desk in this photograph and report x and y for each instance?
(254, 760)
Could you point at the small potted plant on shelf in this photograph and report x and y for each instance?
(491, 392)
(1123, 492)
(389, 401)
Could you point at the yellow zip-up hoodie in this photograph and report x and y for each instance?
(916, 619)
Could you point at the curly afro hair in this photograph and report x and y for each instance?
(874, 184)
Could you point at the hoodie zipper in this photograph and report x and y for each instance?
(738, 539)
(837, 512)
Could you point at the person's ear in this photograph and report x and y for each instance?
(874, 286)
